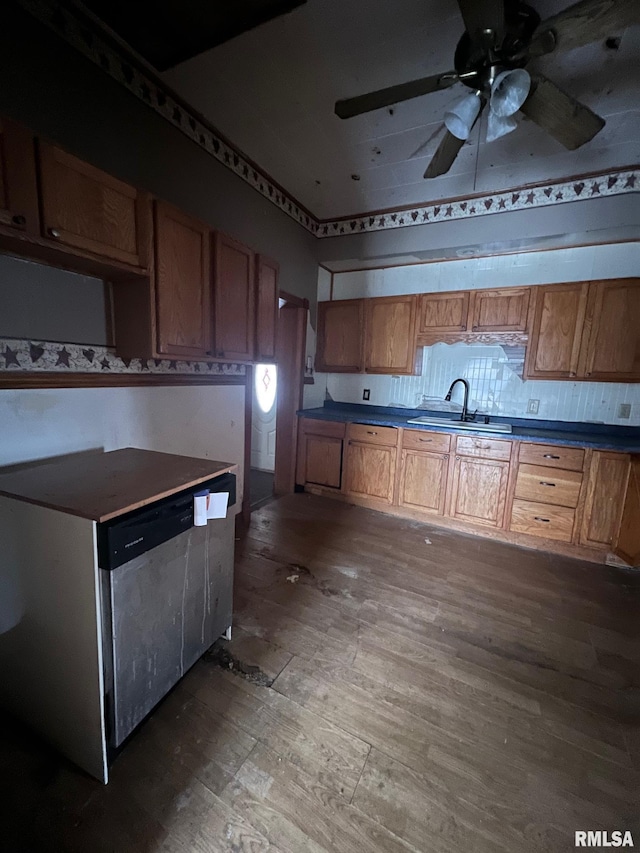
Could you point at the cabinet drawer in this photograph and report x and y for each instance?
(418, 439)
(548, 485)
(552, 456)
(331, 429)
(483, 448)
(373, 434)
(538, 519)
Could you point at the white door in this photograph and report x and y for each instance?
(263, 425)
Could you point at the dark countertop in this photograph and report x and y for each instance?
(101, 486)
(601, 436)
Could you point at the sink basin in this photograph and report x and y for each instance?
(452, 424)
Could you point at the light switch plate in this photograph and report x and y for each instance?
(624, 410)
(532, 407)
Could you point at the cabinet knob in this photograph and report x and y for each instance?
(445, 456)
(572, 373)
(19, 220)
(53, 232)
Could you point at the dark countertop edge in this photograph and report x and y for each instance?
(519, 433)
(109, 516)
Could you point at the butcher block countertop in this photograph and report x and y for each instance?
(101, 486)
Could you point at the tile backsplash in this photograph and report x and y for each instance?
(496, 388)
(494, 372)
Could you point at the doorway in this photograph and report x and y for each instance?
(273, 396)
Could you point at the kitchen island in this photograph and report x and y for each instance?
(88, 645)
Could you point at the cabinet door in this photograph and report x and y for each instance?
(627, 542)
(444, 312)
(479, 491)
(611, 349)
(234, 300)
(182, 284)
(423, 481)
(323, 461)
(503, 310)
(266, 307)
(606, 490)
(340, 336)
(90, 210)
(557, 331)
(390, 335)
(370, 470)
(18, 187)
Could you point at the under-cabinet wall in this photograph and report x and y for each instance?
(204, 421)
(494, 372)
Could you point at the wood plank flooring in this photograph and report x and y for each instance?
(390, 687)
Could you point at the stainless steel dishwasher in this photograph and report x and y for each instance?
(166, 596)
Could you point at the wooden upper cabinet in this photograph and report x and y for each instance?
(340, 336)
(554, 349)
(234, 299)
(87, 209)
(504, 310)
(611, 344)
(605, 496)
(266, 307)
(390, 335)
(182, 284)
(18, 186)
(444, 312)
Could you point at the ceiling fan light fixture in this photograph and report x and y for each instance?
(461, 115)
(498, 126)
(509, 91)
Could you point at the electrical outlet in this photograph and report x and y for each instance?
(624, 410)
(533, 406)
(366, 394)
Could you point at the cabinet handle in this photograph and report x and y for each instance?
(53, 232)
(371, 432)
(542, 483)
(19, 220)
(445, 456)
(550, 456)
(538, 518)
(425, 440)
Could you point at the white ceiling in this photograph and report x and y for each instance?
(272, 90)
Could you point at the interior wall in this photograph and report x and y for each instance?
(61, 95)
(205, 421)
(494, 373)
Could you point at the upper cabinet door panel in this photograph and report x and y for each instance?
(612, 346)
(234, 299)
(444, 312)
(182, 283)
(390, 342)
(502, 310)
(340, 336)
(90, 210)
(18, 186)
(557, 331)
(266, 308)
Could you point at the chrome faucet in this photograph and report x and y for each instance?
(465, 416)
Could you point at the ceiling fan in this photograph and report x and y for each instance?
(500, 38)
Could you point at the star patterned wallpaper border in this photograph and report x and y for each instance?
(86, 36)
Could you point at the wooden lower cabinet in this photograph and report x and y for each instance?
(479, 491)
(541, 519)
(423, 481)
(323, 461)
(606, 490)
(370, 470)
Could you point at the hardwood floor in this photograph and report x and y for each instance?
(390, 687)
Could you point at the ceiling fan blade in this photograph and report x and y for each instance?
(423, 149)
(583, 23)
(561, 115)
(349, 107)
(445, 154)
(479, 16)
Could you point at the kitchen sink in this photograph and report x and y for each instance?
(453, 424)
